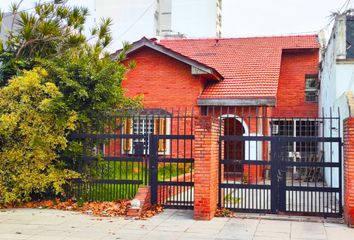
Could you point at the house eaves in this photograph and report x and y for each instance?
(237, 102)
(197, 68)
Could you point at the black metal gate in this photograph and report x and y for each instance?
(125, 149)
(280, 165)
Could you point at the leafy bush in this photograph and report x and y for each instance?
(34, 122)
(89, 83)
(38, 108)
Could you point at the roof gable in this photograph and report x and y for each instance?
(197, 67)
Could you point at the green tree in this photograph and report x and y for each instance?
(34, 123)
(89, 82)
(52, 37)
(46, 31)
(84, 80)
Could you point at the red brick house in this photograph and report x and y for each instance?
(274, 77)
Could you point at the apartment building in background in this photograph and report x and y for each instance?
(134, 19)
(7, 25)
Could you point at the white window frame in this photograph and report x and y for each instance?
(142, 131)
(311, 89)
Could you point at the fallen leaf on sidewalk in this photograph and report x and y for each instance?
(98, 209)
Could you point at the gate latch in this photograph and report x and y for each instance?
(280, 174)
(139, 148)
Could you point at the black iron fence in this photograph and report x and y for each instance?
(128, 149)
(266, 163)
(279, 164)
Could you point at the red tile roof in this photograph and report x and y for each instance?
(250, 66)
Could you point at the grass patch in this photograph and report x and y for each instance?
(89, 190)
(167, 171)
(231, 199)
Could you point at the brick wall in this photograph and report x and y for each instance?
(144, 197)
(206, 167)
(163, 81)
(349, 171)
(291, 87)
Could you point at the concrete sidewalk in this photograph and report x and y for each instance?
(38, 224)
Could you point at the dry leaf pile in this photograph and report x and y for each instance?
(150, 212)
(98, 209)
(223, 212)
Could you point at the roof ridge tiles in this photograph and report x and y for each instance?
(233, 38)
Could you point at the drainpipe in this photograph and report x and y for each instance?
(341, 40)
(322, 42)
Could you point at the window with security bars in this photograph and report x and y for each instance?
(143, 126)
(311, 92)
(146, 125)
(300, 151)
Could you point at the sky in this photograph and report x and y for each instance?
(276, 17)
(256, 17)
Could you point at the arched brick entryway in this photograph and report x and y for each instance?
(234, 150)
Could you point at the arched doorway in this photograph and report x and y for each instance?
(234, 151)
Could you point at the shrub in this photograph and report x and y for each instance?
(34, 122)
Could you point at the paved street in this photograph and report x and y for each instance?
(43, 224)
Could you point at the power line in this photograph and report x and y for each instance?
(136, 21)
(345, 3)
(345, 6)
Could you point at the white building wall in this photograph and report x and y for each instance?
(327, 100)
(336, 78)
(7, 25)
(331, 151)
(194, 18)
(132, 19)
(327, 77)
(165, 17)
(345, 78)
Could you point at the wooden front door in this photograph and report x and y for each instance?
(233, 150)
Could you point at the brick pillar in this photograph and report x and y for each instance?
(206, 157)
(348, 170)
